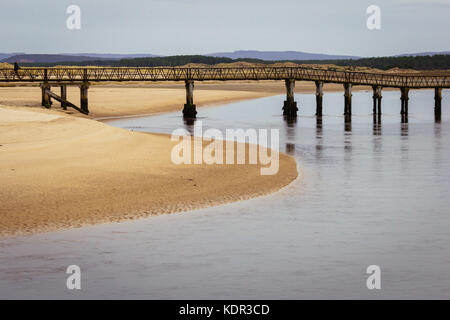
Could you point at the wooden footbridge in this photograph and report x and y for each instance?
(82, 77)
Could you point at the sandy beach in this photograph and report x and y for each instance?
(60, 169)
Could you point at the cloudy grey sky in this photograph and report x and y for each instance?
(202, 26)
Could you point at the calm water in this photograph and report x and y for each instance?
(367, 194)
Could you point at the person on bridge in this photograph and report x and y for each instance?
(16, 67)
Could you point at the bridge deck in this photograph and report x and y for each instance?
(94, 74)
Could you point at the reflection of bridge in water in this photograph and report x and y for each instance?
(82, 77)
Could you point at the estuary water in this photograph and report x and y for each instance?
(367, 194)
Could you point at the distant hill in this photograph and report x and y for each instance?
(7, 55)
(68, 57)
(4, 56)
(45, 58)
(300, 56)
(278, 55)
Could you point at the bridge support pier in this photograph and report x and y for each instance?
(84, 97)
(64, 97)
(46, 100)
(348, 99)
(404, 99)
(290, 106)
(189, 110)
(377, 100)
(319, 98)
(437, 104)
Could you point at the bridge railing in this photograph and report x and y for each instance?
(98, 74)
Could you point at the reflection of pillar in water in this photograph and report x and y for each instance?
(376, 124)
(348, 122)
(319, 123)
(189, 124)
(290, 148)
(404, 129)
(290, 124)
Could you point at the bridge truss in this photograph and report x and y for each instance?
(117, 74)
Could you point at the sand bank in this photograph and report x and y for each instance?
(60, 171)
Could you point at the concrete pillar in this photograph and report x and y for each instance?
(64, 96)
(46, 100)
(348, 99)
(404, 99)
(84, 97)
(404, 118)
(290, 106)
(437, 103)
(319, 98)
(43, 87)
(377, 100)
(376, 119)
(319, 123)
(189, 110)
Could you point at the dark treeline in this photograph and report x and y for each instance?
(171, 61)
(384, 63)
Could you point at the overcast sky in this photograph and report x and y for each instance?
(169, 27)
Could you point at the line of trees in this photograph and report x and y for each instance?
(440, 62)
(434, 62)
